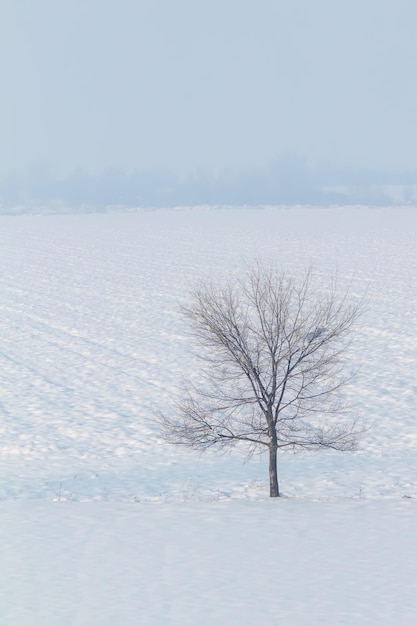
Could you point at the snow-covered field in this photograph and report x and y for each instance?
(101, 522)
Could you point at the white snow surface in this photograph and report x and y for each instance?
(103, 523)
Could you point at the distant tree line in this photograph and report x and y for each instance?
(287, 181)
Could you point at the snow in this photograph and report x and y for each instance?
(104, 523)
(233, 563)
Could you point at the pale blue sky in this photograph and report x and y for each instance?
(207, 85)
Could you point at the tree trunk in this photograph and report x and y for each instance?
(273, 471)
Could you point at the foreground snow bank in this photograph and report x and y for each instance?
(233, 563)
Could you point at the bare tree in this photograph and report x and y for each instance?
(272, 350)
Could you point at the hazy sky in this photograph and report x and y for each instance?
(209, 85)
